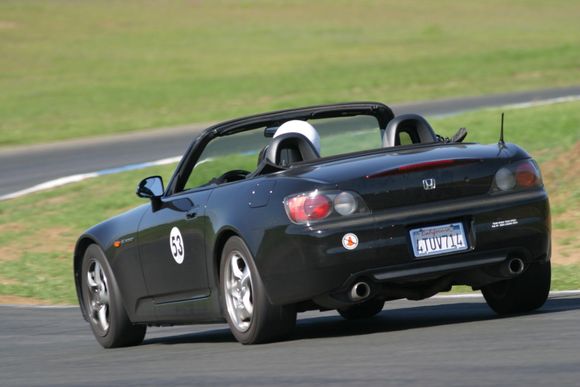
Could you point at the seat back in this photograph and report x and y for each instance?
(413, 125)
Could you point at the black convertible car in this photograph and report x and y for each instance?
(328, 207)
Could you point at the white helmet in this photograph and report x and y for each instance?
(300, 127)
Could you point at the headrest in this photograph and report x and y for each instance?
(414, 125)
(300, 127)
(286, 149)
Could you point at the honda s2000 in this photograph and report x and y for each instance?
(328, 207)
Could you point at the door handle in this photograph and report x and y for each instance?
(191, 214)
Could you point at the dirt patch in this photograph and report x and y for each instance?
(55, 201)
(57, 239)
(54, 240)
(562, 180)
(10, 251)
(17, 300)
(12, 227)
(7, 25)
(7, 282)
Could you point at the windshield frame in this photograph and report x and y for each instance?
(176, 186)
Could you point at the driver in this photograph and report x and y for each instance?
(303, 128)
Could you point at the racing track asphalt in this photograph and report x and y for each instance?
(24, 167)
(436, 342)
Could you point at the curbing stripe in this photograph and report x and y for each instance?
(84, 176)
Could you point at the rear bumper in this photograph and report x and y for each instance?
(304, 263)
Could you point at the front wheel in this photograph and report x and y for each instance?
(251, 317)
(522, 294)
(103, 305)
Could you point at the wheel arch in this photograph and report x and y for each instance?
(222, 237)
(82, 245)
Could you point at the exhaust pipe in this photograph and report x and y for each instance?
(360, 291)
(516, 266)
(513, 267)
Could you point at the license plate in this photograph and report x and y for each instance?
(447, 238)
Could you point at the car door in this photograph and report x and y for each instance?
(172, 248)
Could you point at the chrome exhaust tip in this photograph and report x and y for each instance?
(360, 291)
(515, 266)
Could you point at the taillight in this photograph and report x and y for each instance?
(525, 174)
(305, 208)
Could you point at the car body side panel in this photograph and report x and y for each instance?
(230, 211)
(124, 260)
(166, 279)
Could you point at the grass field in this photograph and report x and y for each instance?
(37, 232)
(79, 68)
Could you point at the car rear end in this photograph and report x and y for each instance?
(407, 223)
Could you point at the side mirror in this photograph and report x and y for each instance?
(151, 188)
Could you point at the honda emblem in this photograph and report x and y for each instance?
(429, 184)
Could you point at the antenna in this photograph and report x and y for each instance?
(501, 142)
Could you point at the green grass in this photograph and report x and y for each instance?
(79, 68)
(38, 232)
(544, 131)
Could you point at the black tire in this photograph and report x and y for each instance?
(522, 294)
(115, 329)
(363, 310)
(266, 322)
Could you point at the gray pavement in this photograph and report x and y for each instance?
(437, 342)
(24, 167)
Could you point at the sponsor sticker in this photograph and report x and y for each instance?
(176, 245)
(504, 223)
(350, 241)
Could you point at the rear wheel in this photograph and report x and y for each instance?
(102, 302)
(251, 317)
(363, 310)
(522, 294)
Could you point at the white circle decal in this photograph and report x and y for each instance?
(176, 245)
(350, 241)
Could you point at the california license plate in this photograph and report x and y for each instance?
(437, 240)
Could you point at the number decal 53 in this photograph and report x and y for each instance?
(176, 245)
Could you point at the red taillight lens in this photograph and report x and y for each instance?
(527, 175)
(295, 209)
(317, 207)
(304, 208)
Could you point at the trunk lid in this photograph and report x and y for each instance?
(413, 175)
